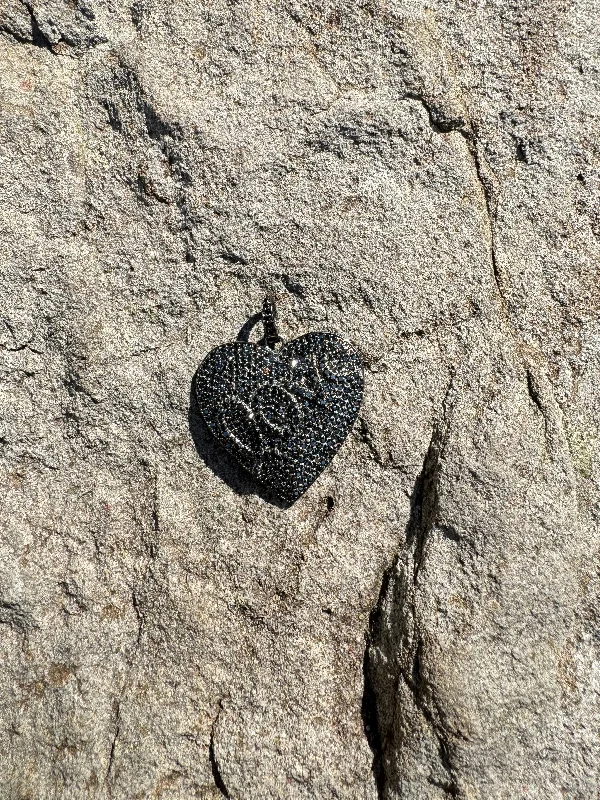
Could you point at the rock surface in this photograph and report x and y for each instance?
(423, 622)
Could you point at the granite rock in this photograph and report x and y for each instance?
(423, 180)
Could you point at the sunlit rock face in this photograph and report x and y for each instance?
(422, 622)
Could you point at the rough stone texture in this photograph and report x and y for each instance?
(423, 623)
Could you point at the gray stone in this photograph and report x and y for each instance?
(423, 180)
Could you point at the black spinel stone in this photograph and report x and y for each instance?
(283, 414)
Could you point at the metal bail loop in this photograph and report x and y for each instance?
(269, 315)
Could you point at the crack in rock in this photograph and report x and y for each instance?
(23, 23)
(214, 764)
(442, 123)
(16, 617)
(113, 745)
(132, 114)
(394, 648)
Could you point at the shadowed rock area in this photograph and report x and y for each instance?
(423, 180)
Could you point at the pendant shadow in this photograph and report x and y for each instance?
(219, 461)
(248, 327)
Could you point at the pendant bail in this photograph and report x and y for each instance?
(269, 316)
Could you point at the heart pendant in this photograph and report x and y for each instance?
(283, 414)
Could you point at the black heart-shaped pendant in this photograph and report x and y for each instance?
(283, 414)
